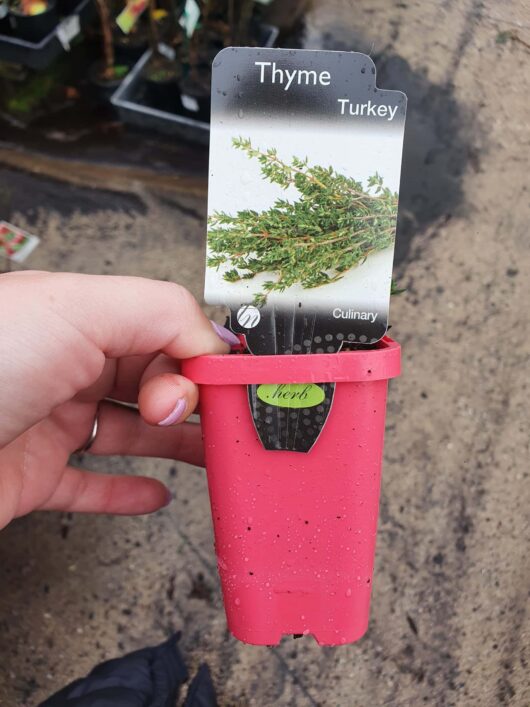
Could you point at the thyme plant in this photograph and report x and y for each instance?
(333, 227)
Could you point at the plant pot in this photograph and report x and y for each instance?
(184, 124)
(161, 85)
(39, 55)
(34, 28)
(295, 532)
(163, 94)
(195, 97)
(66, 7)
(213, 44)
(101, 89)
(5, 27)
(129, 48)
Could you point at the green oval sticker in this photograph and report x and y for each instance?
(291, 395)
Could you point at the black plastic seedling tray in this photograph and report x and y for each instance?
(135, 109)
(39, 55)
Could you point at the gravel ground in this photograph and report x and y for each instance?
(449, 619)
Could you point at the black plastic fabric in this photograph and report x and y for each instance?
(201, 692)
(150, 677)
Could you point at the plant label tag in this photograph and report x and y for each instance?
(166, 51)
(68, 30)
(305, 161)
(189, 103)
(190, 17)
(130, 14)
(16, 244)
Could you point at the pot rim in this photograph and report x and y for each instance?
(381, 363)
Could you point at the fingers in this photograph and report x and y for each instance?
(122, 431)
(126, 316)
(101, 387)
(88, 492)
(166, 397)
(63, 327)
(119, 380)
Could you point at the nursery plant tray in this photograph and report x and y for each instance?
(135, 109)
(39, 55)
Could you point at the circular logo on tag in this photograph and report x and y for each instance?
(248, 316)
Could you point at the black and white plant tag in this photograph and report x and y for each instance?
(166, 51)
(68, 30)
(305, 159)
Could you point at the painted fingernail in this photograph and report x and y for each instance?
(227, 336)
(170, 497)
(175, 414)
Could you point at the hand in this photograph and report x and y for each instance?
(68, 342)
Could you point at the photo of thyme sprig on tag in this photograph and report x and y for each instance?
(333, 227)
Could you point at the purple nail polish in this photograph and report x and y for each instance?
(170, 497)
(175, 414)
(227, 336)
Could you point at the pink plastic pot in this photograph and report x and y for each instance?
(295, 533)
